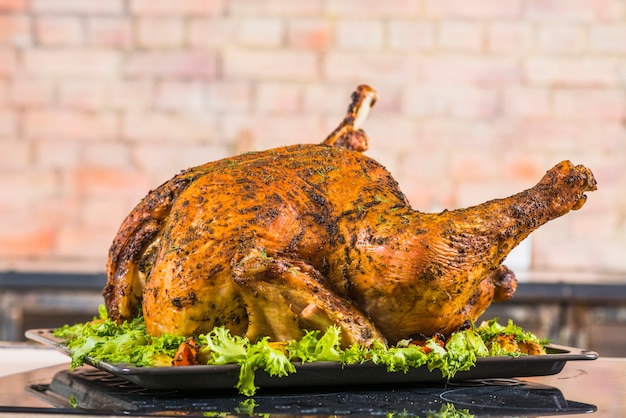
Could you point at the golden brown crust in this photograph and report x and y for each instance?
(124, 289)
(270, 242)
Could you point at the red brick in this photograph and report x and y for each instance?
(608, 160)
(456, 35)
(27, 240)
(422, 101)
(522, 102)
(456, 102)
(29, 186)
(474, 193)
(327, 99)
(608, 38)
(56, 153)
(553, 137)
(59, 31)
(566, 38)
(586, 71)
(108, 154)
(389, 100)
(108, 31)
(275, 8)
(613, 143)
(103, 213)
(260, 32)
(13, 5)
(523, 168)
(602, 104)
(49, 263)
(14, 154)
(457, 135)
(185, 96)
(72, 240)
(472, 103)
(29, 92)
(411, 36)
(309, 33)
(8, 123)
(211, 32)
(278, 98)
(390, 137)
(92, 182)
(158, 162)
(4, 93)
(168, 127)
(78, 6)
(372, 8)
(477, 9)
(65, 62)
(575, 10)
(271, 131)
(196, 154)
(482, 70)
(225, 96)
(509, 37)
(424, 180)
(15, 30)
(175, 63)
(66, 124)
(175, 7)
(359, 34)
(372, 68)
(265, 64)
(81, 94)
(129, 94)
(167, 159)
(555, 248)
(472, 167)
(160, 32)
(8, 62)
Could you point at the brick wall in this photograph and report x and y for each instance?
(101, 101)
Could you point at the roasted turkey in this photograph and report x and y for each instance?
(300, 237)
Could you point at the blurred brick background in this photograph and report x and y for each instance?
(101, 101)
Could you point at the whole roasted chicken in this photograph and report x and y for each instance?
(302, 237)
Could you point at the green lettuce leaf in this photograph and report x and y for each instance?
(105, 340)
(128, 342)
(312, 347)
(262, 356)
(398, 358)
(223, 347)
(463, 348)
(488, 330)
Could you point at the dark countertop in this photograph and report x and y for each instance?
(596, 387)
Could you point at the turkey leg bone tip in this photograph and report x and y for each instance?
(349, 134)
(307, 236)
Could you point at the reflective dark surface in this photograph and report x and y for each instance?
(96, 390)
(596, 388)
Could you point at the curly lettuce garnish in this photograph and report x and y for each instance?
(128, 343)
(125, 343)
(509, 340)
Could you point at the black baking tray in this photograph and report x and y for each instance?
(92, 389)
(216, 377)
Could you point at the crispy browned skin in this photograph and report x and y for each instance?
(305, 236)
